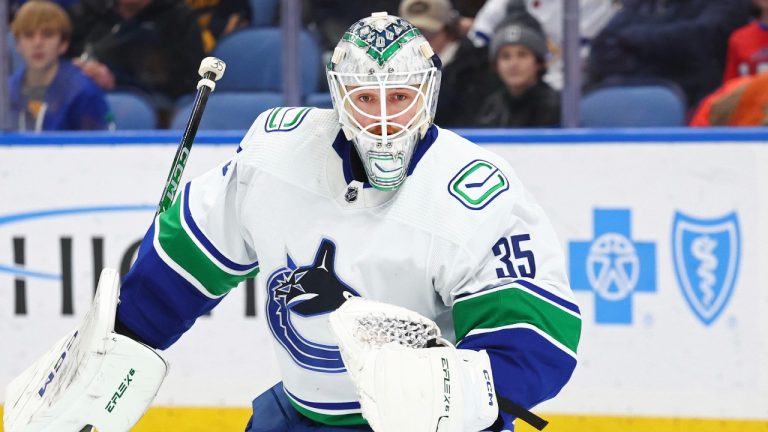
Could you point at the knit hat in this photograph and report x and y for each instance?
(517, 34)
(427, 15)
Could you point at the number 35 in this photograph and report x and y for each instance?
(505, 248)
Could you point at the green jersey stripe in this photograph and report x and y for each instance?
(179, 246)
(525, 326)
(190, 233)
(518, 285)
(514, 305)
(329, 419)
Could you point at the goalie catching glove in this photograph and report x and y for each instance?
(91, 377)
(407, 377)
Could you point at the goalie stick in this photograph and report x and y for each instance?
(65, 387)
(211, 69)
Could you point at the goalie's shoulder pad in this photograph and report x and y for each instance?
(282, 125)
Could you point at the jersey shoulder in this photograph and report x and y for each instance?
(280, 134)
(289, 125)
(458, 187)
(472, 175)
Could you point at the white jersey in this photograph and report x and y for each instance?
(461, 230)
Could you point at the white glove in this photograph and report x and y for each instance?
(402, 385)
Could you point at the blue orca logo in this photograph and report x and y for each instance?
(706, 256)
(307, 291)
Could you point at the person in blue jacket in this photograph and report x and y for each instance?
(48, 92)
(681, 41)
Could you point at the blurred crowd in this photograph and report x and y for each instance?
(502, 59)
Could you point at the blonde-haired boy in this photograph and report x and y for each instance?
(49, 93)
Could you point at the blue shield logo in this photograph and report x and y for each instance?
(706, 256)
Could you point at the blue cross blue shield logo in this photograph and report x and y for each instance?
(613, 265)
(706, 256)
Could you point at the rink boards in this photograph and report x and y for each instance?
(664, 232)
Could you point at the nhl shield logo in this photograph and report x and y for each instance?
(706, 256)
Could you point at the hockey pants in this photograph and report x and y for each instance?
(273, 413)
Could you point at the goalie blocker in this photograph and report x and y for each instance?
(92, 377)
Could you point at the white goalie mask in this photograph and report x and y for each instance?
(384, 79)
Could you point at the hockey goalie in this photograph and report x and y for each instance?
(412, 283)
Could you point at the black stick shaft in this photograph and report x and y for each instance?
(522, 413)
(185, 146)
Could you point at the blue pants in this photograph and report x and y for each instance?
(273, 413)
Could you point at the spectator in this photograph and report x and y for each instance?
(742, 101)
(49, 93)
(151, 45)
(593, 16)
(518, 55)
(218, 18)
(437, 21)
(466, 79)
(682, 40)
(748, 46)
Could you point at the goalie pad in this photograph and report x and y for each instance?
(404, 380)
(91, 377)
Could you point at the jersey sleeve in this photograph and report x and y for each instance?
(192, 256)
(510, 296)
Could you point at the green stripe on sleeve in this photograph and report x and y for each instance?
(330, 420)
(510, 306)
(183, 251)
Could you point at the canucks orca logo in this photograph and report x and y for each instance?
(305, 292)
(706, 257)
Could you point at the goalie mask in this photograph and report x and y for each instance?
(384, 79)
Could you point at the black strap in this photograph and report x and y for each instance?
(523, 414)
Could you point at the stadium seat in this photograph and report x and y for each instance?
(319, 100)
(131, 111)
(264, 12)
(228, 110)
(642, 105)
(254, 61)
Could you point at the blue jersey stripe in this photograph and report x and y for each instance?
(527, 368)
(549, 296)
(207, 243)
(157, 303)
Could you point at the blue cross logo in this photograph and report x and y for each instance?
(613, 266)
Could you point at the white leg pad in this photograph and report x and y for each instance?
(92, 376)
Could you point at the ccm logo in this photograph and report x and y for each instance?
(57, 365)
(488, 386)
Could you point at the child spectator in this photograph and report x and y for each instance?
(748, 46)
(518, 55)
(49, 93)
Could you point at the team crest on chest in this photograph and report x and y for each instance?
(301, 292)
